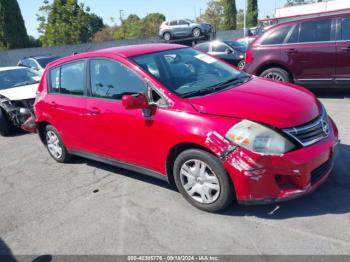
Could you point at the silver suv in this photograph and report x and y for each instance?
(183, 28)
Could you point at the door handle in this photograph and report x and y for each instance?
(346, 48)
(291, 51)
(53, 103)
(94, 111)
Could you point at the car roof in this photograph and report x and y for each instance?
(39, 57)
(122, 51)
(11, 68)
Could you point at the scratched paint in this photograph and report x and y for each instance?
(216, 142)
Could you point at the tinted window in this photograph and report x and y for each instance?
(55, 80)
(173, 22)
(110, 79)
(345, 29)
(72, 78)
(203, 47)
(294, 37)
(277, 37)
(315, 31)
(183, 22)
(219, 48)
(45, 60)
(32, 64)
(25, 63)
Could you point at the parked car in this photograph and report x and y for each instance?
(18, 87)
(230, 51)
(183, 28)
(246, 40)
(37, 63)
(180, 115)
(311, 52)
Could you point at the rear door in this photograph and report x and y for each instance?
(66, 102)
(184, 28)
(343, 52)
(310, 52)
(222, 51)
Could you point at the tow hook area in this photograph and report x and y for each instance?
(29, 125)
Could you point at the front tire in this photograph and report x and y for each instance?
(167, 36)
(5, 126)
(202, 180)
(241, 65)
(277, 74)
(55, 145)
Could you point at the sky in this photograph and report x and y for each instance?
(170, 8)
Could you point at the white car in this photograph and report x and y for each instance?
(18, 86)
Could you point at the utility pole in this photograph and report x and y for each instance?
(121, 21)
(245, 18)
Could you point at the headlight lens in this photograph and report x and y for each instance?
(258, 138)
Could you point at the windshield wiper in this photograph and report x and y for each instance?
(211, 89)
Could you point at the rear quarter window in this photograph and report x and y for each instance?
(277, 36)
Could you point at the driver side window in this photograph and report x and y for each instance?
(112, 80)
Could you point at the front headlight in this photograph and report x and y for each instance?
(258, 138)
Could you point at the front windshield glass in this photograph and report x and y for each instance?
(18, 77)
(188, 72)
(235, 44)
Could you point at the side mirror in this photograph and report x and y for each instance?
(228, 51)
(136, 101)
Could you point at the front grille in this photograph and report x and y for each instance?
(311, 132)
(319, 172)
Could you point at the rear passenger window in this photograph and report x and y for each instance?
(173, 22)
(345, 29)
(72, 78)
(110, 79)
(68, 79)
(315, 31)
(277, 37)
(294, 37)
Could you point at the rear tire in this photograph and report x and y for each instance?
(241, 64)
(202, 180)
(55, 145)
(5, 125)
(277, 74)
(196, 32)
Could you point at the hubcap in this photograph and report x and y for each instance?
(199, 181)
(241, 65)
(196, 33)
(167, 36)
(275, 76)
(53, 144)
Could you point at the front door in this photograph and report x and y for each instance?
(343, 52)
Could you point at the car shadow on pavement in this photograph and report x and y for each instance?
(124, 172)
(333, 197)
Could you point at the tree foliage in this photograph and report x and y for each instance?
(230, 15)
(214, 14)
(131, 28)
(252, 13)
(13, 33)
(65, 22)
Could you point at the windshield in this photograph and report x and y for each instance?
(188, 72)
(18, 77)
(235, 44)
(45, 60)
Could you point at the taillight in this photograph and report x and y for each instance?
(249, 57)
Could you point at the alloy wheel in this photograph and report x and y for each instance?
(53, 144)
(275, 76)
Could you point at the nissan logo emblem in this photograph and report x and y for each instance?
(325, 127)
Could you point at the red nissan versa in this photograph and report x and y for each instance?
(175, 113)
(313, 52)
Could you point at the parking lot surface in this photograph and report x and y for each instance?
(85, 207)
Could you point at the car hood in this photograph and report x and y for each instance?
(20, 93)
(277, 104)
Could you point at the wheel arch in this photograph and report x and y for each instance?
(274, 65)
(175, 151)
(41, 128)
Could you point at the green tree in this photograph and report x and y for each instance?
(230, 15)
(130, 28)
(150, 24)
(252, 13)
(214, 14)
(240, 19)
(65, 22)
(13, 33)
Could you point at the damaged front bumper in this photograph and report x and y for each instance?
(263, 179)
